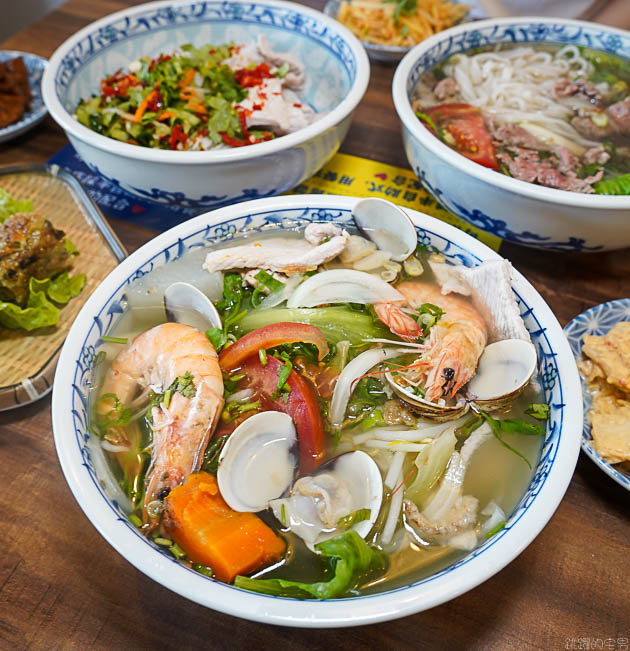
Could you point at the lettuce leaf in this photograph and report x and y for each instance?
(9, 206)
(338, 323)
(40, 311)
(349, 558)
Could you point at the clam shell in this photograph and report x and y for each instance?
(184, 303)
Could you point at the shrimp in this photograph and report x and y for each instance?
(180, 430)
(449, 357)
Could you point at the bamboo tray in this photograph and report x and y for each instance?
(28, 360)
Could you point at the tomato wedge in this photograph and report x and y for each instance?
(301, 405)
(462, 128)
(270, 336)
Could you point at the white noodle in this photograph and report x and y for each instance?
(395, 505)
(517, 85)
(394, 471)
(396, 446)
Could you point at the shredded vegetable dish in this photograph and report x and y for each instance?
(201, 98)
(399, 22)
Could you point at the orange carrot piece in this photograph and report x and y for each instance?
(212, 534)
(164, 115)
(188, 77)
(143, 106)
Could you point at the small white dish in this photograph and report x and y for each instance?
(597, 320)
(35, 66)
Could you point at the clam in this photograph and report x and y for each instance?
(433, 410)
(184, 303)
(317, 503)
(258, 462)
(387, 225)
(503, 371)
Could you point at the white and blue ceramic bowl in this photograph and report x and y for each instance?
(83, 465)
(598, 321)
(514, 210)
(337, 74)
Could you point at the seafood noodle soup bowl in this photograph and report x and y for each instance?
(336, 77)
(515, 210)
(89, 478)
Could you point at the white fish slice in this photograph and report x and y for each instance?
(490, 287)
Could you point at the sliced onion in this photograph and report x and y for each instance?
(105, 476)
(394, 470)
(495, 514)
(285, 293)
(341, 286)
(110, 447)
(395, 506)
(398, 446)
(449, 490)
(240, 396)
(359, 366)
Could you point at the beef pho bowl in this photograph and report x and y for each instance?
(522, 128)
(283, 411)
(202, 104)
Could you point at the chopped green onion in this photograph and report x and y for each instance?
(114, 340)
(262, 356)
(162, 542)
(423, 117)
(283, 515)
(177, 551)
(203, 569)
(167, 398)
(496, 529)
(135, 520)
(539, 410)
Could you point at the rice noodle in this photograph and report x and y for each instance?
(395, 469)
(517, 85)
(395, 506)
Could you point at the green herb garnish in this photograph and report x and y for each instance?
(538, 410)
(348, 521)
(114, 340)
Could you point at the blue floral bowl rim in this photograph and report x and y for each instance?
(410, 122)
(623, 479)
(109, 145)
(459, 578)
(31, 117)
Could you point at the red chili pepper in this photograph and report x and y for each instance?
(257, 107)
(157, 101)
(177, 135)
(297, 105)
(248, 77)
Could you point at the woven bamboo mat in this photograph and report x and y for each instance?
(27, 360)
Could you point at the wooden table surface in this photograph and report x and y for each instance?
(63, 586)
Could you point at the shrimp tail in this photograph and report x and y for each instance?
(398, 322)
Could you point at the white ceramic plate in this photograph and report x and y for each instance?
(35, 66)
(83, 463)
(597, 320)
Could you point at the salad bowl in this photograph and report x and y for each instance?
(336, 77)
(88, 476)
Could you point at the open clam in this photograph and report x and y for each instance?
(258, 462)
(503, 372)
(348, 487)
(387, 225)
(184, 303)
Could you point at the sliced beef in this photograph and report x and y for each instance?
(620, 114)
(580, 89)
(445, 89)
(596, 155)
(513, 135)
(587, 128)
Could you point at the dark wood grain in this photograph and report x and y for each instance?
(62, 586)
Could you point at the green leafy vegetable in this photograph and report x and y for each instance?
(117, 416)
(619, 185)
(512, 426)
(539, 410)
(262, 356)
(233, 410)
(428, 316)
(184, 384)
(211, 455)
(217, 338)
(70, 247)
(9, 206)
(348, 521)
(350, 559)
(284, 370)
(338, 323)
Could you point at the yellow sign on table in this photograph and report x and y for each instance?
(362, 177)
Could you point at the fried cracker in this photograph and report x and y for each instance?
(610, 422)
(612, 353)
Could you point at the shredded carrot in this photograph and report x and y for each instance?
(188, 77)
(143, 105)
(212, 534)
(164, 115)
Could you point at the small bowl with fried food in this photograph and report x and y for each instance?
(388, 29)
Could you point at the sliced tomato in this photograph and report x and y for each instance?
(270, 336)
(461, 126)
(301, 405)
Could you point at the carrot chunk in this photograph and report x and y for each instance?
(212, 534)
